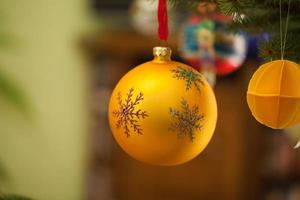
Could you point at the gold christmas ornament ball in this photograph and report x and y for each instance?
(273, 94)
(163, 112)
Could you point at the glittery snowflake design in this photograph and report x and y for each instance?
(127, 114)
(187, 121)
(189, 76)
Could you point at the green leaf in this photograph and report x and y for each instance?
(5, 40)
(13, 197)
(10, 91)
(3, 173)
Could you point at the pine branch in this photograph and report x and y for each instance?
(270, 50)
(184, 3)
(236, 8)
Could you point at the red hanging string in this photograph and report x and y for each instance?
(162, 16)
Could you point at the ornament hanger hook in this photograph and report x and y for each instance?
(162, 17)
(283, 42)
(286, 26)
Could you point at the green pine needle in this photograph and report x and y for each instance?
(271, 50)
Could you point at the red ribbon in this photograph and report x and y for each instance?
(162, 16)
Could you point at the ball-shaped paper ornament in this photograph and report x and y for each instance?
(203, 42)
(273, 94)
(163, 112)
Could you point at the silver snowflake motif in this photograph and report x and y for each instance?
(189, 76)
(127, 114)
(187, 121)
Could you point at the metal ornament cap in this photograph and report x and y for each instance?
(162, 54)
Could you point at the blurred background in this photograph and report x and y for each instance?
(59, 61)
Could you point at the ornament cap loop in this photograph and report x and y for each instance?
(162, 54)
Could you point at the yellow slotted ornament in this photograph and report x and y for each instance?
(274, 94)
(163, 112)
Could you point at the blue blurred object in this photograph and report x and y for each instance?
(253, 41)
